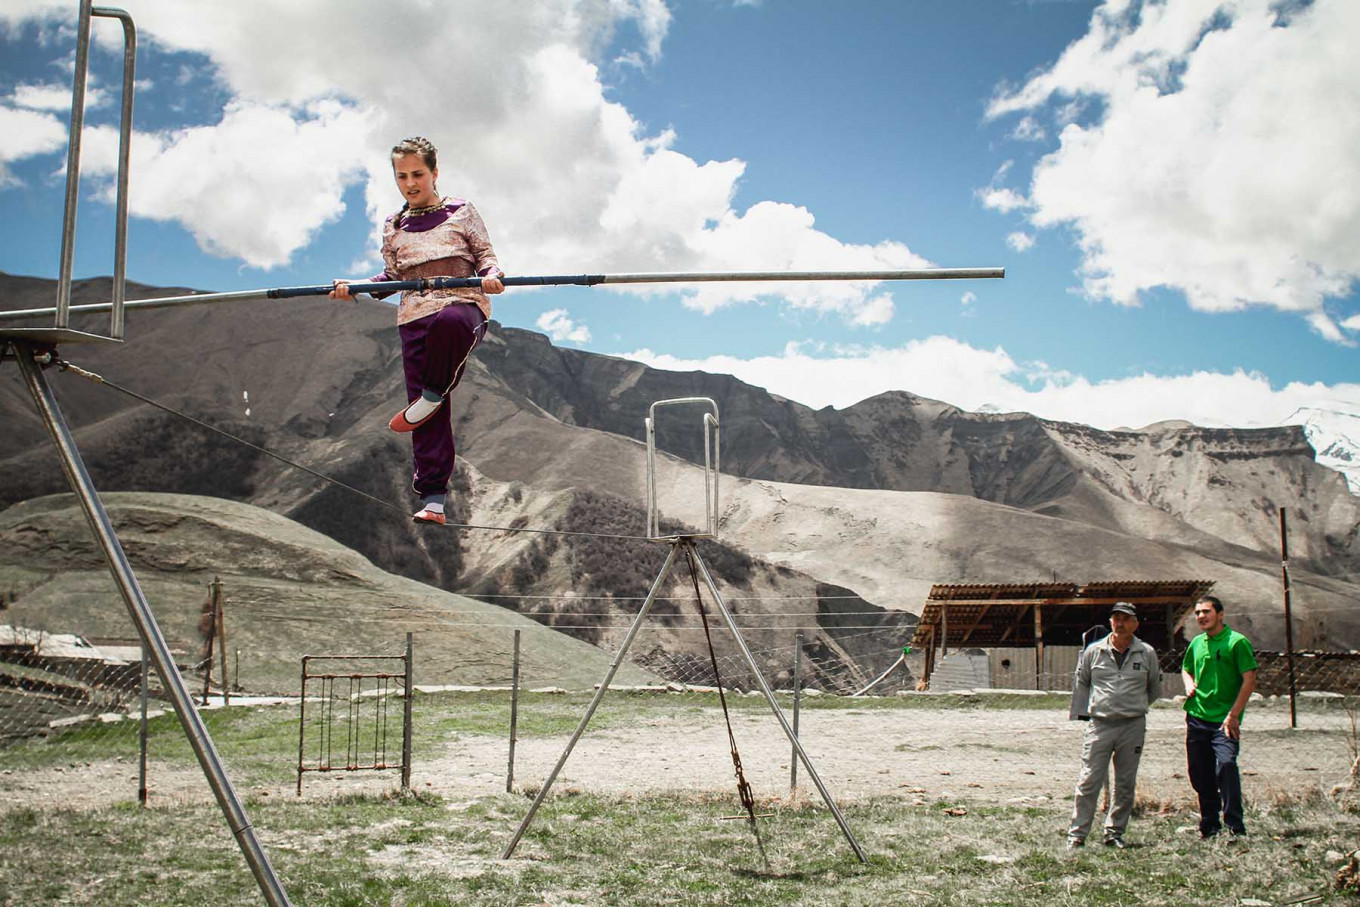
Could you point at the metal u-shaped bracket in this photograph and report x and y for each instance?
(712, 465)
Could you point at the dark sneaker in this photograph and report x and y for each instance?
(1116, 842)
(1075, 843)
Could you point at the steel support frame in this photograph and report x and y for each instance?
(678, 545)
(140, 611)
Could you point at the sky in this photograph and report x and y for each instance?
(1173, 187)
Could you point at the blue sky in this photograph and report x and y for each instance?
(1173, 188)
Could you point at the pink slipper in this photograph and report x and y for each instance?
(416, 414)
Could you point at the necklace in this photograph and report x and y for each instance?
(428, 209)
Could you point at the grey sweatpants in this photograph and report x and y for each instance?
(1122, 739)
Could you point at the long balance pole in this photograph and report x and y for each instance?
(577, 280)
(145, 620)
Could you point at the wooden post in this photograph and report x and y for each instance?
(219, 608)
(212, 637)
(1288, 620)
(514, 716)
(797, 699)
(944, 620)
(1038, 643)
(930, 658)
(406, 715)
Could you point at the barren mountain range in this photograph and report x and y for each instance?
(877, 500)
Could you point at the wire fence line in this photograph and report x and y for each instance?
(68, 705)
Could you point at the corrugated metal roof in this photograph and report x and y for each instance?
(994, 614)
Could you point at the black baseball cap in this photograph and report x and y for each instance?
(1123, 608)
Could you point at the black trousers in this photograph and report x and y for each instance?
(1212, 760)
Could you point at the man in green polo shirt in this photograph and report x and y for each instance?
(1219, 670)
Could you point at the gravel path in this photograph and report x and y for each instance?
(995, 756)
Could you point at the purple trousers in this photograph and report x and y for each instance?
(434, 352)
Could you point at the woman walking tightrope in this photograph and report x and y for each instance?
(433, 236)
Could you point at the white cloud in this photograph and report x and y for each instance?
(566, 178)
(25, 133)
(561, 328)
(946, 369)
(1225, 162)
(1020, 242)
(1002, 199)
(1352, 323)
(54, 97)
(968, 298)
(1028, 130)
(212, 179)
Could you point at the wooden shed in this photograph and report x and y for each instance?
(1033, 615)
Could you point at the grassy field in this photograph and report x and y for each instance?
(386, 848)
(395, 850)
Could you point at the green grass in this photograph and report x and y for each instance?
(583, 849)
(589, 849)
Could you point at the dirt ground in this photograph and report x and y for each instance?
(994, 756)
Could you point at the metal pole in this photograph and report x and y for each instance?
(583, 280)
(599, 694)
(302, 720)
(124, 157)
(407, 703)
(141, 736)
(142, 616)
(797, 701)
(1288, 620)
(68, 222)
(774, 706)
(514, 716)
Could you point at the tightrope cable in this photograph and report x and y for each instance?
(65, 366)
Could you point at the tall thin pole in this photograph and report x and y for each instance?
(73, 137)
(212, 635)
(302, 721)
(220, 608)
(141, 735)
(145, 620)
(1288, 619)
(406, 755)
(514, 717)
(797, 697)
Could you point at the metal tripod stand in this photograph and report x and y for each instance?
(685, 544)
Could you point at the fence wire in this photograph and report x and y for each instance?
(70, 710)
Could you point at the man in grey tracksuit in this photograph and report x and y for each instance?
(1117, 680)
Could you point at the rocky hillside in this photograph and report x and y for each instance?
(954, 496)
(288, 591)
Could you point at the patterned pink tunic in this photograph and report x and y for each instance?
(456, 245)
